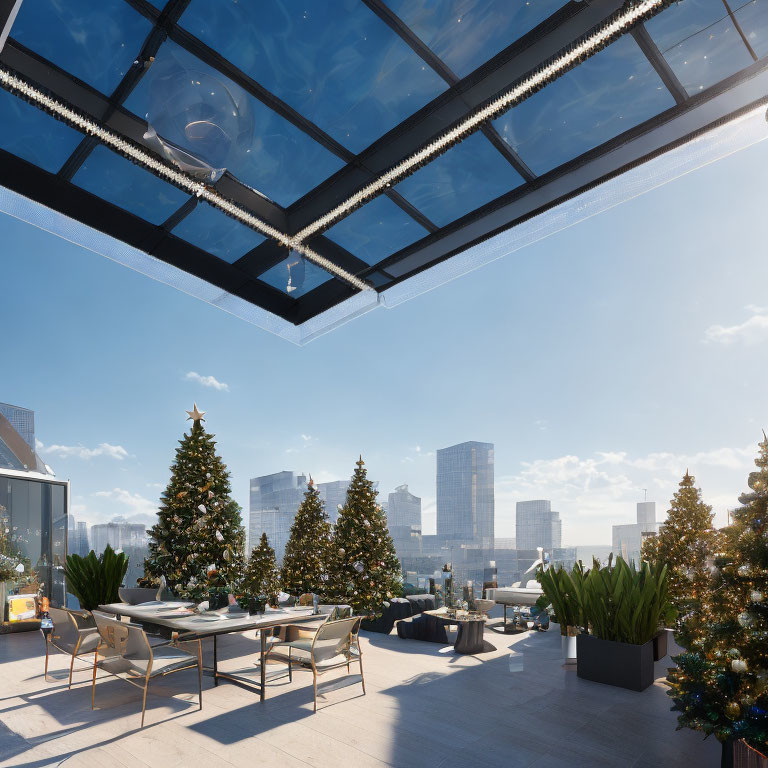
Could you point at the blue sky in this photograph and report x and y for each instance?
(602, 360)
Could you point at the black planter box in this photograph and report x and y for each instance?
(660, 645)
(620, 664)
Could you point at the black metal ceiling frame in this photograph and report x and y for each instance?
(572, 21)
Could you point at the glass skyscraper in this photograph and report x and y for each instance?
(537, 525)
(465, 500)
(333, 494)
(274, 502)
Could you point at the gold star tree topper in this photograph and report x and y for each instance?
(195, 415)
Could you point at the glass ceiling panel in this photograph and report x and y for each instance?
(196, 108)
(127, 185)
(376, 230)
(295, 276)
(701, 43)
(213, 231)
(336, 63)
(95, 41)
(466, 33)
(467, 176)
(753, 19)
(29, 133)
(602, 97)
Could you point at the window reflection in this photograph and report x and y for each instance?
(702, 44)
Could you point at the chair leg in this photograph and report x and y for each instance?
(362, 676)
(71, 665)
(314, 686)
(45, 674)
(290, 666)
(93, 686)
(144, 701)
(200, 671)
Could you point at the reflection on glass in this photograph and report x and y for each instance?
(466, 33)
(128, 186)
(195, 108)
(376, 230)
(336, 63)
(753, 20)
(700, 41)
(295, 275)
(213, 231)
(467, 176)
(97, 42)
(32, 135)
(602, 97)
(33, 519)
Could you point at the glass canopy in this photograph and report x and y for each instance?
(236, 150)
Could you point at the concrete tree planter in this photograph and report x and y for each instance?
(621, 664)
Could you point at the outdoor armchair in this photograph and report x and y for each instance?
(73, 633)
(124, 651)
(335, 644)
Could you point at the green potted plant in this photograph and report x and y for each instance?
(564, 592)
(95, 581)
(623, 608)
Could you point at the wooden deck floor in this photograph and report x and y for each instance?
(426, 706)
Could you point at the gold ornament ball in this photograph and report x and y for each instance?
(732, 710)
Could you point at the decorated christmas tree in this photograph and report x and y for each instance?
(720, 685)
(365, 570)
(198, 529)
(261, 575)
(305, 562)
(683, 544)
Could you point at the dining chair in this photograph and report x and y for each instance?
(126, 652)
(335, 644)
(73, 633)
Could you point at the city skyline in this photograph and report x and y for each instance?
(588, 397)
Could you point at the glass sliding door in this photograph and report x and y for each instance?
(33, 534)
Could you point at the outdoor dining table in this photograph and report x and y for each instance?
(194, 626)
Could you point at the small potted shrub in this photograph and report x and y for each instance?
(95, 581)
(624, 608)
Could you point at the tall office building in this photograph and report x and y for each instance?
(403, 512)
(628, 539)
(274, 502)
(119, 534)
(17, 440)
(403, 508)
(334, 495)
(537, 525)
(77, 541)
(465, 499)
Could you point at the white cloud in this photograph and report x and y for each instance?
(81, 452)
(752, 331)
(306, 440)
(207, 381)
(132, 506)
(594, 492)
